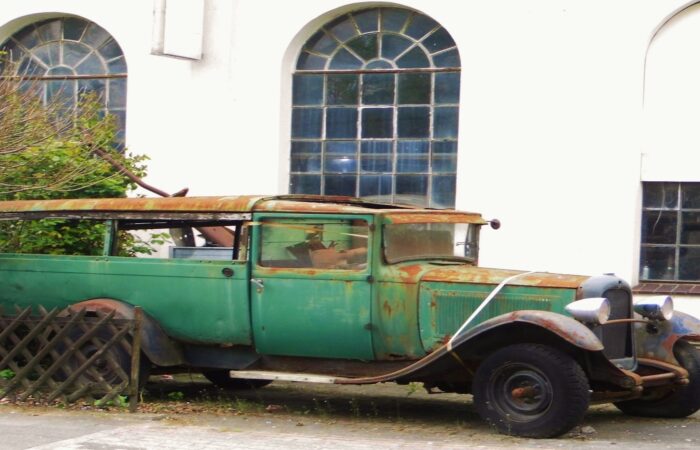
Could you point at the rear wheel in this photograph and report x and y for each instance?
(222, 379)
(680, 401)
(531, 390)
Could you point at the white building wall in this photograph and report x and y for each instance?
(554, 135)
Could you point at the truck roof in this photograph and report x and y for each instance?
(229, 206)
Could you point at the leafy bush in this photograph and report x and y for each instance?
(50, 151)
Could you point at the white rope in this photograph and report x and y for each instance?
(483, 305)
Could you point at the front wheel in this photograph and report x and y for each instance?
(680, 401)
(531, 390)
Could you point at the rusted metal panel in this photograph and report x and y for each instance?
(434, 217)
(655, 340)
(481, 275)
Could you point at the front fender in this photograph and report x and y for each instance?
(655, 340)
(565, 327)
(472, 346)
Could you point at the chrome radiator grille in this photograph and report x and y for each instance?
(617, 338)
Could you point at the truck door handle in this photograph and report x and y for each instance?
(259, 283)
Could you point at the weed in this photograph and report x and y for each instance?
(413, 388)
(176, 396)
(7, 374)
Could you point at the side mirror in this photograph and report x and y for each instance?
(495, 224)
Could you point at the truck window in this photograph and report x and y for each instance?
(52, 236)
(313, 243)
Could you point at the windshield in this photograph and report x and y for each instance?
(412, 241)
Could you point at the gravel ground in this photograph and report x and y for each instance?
(188, 412)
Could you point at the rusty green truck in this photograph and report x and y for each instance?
(340, 290)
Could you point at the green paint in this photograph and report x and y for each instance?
(192, 300)
(445, 306)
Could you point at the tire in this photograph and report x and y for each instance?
(102, 365)
(681, 401)
(222, 379)
(531, 390)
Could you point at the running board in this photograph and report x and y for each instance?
(283, 376)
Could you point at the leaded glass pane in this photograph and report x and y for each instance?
(660, 195)
(307, 122)
(690, 228)
(117, 65)
(30, 67)
(110, 50)
(414, 88)
(393, 45)
(412, 156)
(420, 26)
(394, 19)
(305, 184)
(444, 157)
(343, 59)
(412, 189)
(689, 264)
(413, 59)
(414, 122)
(307, 61)
(340, 184)
(378, 187)
(449, 58)
(27, 36)
(74, 52)
(49, 54)
(49, 31)
(367, 21)
(445, 122)
(377, 122)
(341, 123)
(321, 43)
(659, 227)
(306, 156)
(439, 40)
(94, 85)
(342, 28)
(378, 89)
(73, 29)
(117, 93)
(91, 65)
(657, 263)
(447, 87)
(691, 195)
(443, 191)
(61, 91)
(307, 90)
(342, 90)
(376, 156)
(340, 157)
(95, 36)
(365, 46)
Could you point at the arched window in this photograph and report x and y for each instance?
(375, 109)
(70, 56)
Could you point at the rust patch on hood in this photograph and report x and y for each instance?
(481, 275)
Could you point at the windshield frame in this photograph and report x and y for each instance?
(471, 241)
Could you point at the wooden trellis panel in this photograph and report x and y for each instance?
(68, 355)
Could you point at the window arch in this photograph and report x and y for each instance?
(70, 56)
(375, 105)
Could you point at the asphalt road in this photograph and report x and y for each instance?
(295, 416)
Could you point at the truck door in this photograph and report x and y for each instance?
(310, 286)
